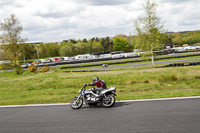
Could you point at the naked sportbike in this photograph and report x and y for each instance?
(105, 97)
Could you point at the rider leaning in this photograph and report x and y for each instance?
(101, 84)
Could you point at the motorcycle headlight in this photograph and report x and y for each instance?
(79, 91)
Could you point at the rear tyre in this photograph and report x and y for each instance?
(109, 101)
(76, 103)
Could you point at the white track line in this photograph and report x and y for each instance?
(161, 99)
(140, 100)
(33, 105)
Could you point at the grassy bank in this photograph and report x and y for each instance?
(132, 83)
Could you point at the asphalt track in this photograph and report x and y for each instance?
(157, 116)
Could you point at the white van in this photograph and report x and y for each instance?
(84, 57)
(189, 48)
(44, 60)
(134, 54)
(178, 49)
(4, 62)
(118, 55)
(67, 58)
(105, 56)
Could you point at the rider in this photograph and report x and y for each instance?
(101, 84)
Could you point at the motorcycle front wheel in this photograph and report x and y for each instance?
(76, 103)
(109, 101)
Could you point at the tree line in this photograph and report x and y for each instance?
(181, 38)
(72, 47)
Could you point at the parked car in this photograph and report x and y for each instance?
(197, 47)
(57, 58)
(4, 62)
(25, 65)
(51, 59)
(45, 60)
(67, 58)
(178, 49)
(61, 58)
(189, 48)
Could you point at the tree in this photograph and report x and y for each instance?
(66, 50)
(181, 38)
(2, 54)
(80, 48)
(84, 40)
(120, 44)
(149, 31)
(107, 43)
(94, 46)
(28, 51)
(11, 39)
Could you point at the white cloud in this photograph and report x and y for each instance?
(57, 20)
(180, 15)
(105, 2)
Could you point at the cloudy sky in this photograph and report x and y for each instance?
(57, 20)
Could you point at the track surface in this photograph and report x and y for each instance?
(166, 116)
(142, 64)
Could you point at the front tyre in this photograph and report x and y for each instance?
(76, 103)
(109, 101)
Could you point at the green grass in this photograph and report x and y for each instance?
(132, 83)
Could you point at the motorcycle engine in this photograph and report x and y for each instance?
(91, 98)
(88, 97)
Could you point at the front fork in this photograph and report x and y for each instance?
(78, 97)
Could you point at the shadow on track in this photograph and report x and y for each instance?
(117, 104)
(120, 104)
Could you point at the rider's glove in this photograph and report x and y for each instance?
(85, 85)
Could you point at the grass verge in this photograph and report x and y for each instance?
(132, 83)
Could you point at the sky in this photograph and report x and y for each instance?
(58, 20)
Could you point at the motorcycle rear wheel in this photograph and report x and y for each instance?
(76, 103)
(109, 101)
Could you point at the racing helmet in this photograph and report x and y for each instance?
(95, 79)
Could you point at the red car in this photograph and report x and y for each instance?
(57, 58)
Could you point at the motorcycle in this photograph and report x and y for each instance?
(105, 97)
